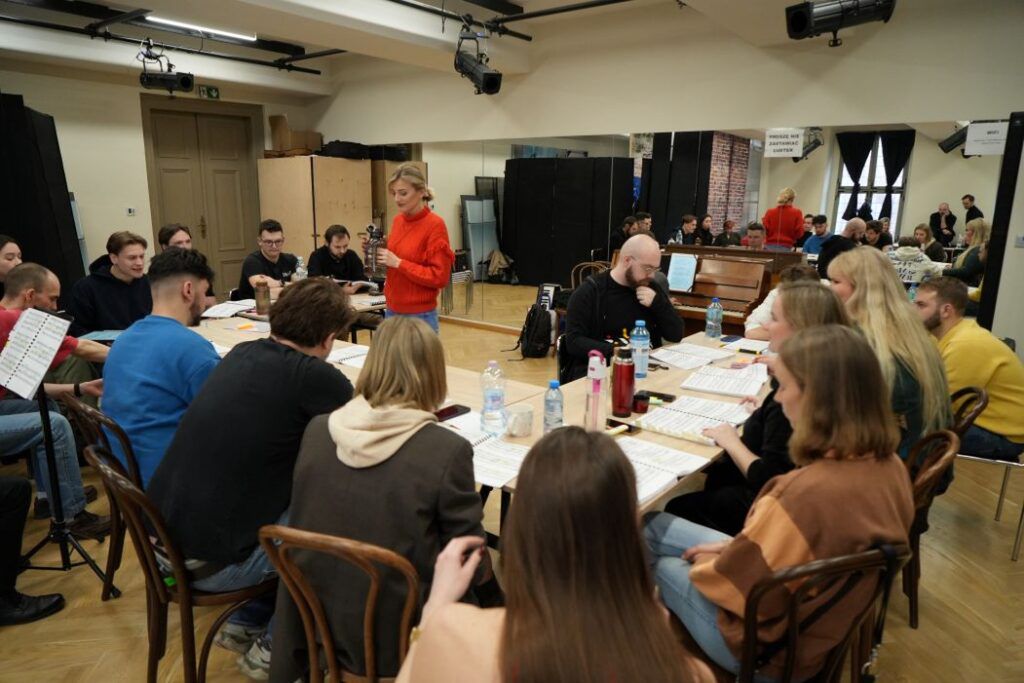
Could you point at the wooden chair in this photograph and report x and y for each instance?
(838, 576)
(581, 271)
(279, 541)
(935, 452)
(90, 423)
(164, 587)
(968, 403)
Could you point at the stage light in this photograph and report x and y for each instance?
(171, 82)
(809, 19)
(808, 148)
(473, 65)
(953, 141)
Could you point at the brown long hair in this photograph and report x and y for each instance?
(579, 595)
(845, 410)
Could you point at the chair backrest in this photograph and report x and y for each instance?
(969, 403)
(278, 541)
(581, 271)
(562, 359)
(932, 456)
(143, 520)
(810, 583)
(91, 422)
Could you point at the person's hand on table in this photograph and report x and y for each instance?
(725, 435)
(704, 551)
(750, 403)
(453, 572)
(92, 388)
(768, 360)
(645, 295)
(388, 258)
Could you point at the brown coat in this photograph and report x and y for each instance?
(411, 503)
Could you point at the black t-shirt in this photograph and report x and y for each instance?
(228, 470)
(348, 267)
(258, 264)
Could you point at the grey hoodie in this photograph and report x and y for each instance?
(913, 265)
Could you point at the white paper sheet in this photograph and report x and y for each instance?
(347, 353)
(228, 309)
(497, 462)
(467, 426)
(689, 356)
(732, 413)
(31, 347)
(728, 382)
(678, 462)
(747, 345)
(679, 425)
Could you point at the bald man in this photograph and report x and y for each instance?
(849, 238)
(612, 301)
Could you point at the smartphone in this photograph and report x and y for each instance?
(666, 398)
(612, 424)
(448, 412)
(729, 339)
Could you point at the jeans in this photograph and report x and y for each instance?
(668, 537)
(985, 444)
(251, 571)
(429, 317)
(21, 429)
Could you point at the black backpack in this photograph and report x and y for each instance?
(535, 337)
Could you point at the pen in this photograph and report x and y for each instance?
(752, 352)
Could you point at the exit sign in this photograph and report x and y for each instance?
(209, 92)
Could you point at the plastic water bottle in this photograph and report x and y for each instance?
(640, 342)
(713, 318)
(912, 292)
(300, 271)
(552, 407)
(493, 419)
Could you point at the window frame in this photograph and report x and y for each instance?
(869, 189)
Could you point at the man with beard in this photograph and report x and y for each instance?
(158, 365)
(973, 357)
(612, 301)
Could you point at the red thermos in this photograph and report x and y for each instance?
(622, 382)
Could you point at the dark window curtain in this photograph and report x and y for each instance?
(855, 148)
(896, 147)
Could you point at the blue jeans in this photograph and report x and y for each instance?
(251, 571)
(668, 537)
(985, 444)
(21, 428)
(430, 317)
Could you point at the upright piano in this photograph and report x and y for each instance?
(740, 283)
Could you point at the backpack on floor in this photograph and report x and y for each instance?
(535, 336)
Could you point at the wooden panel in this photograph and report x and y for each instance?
(383, 205)
(777, 260)
(179, 173)
(286, 194)
(341, 195)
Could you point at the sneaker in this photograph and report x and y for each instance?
(18, 608)
(255, 663)
(237, 637)
(89, 525)
(41, 508)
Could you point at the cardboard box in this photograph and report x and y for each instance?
(283, 138)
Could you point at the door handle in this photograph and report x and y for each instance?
(202, 226)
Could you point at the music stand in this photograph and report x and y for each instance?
(32, 346)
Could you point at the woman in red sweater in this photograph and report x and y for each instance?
(784, 224)
(418, 256)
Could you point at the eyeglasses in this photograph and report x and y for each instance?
(648, 270)
(274, 243)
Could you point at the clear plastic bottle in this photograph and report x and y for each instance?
(493, 418)
(300, 271)
(713, 318)
(912, 292)
(640, 342)
(552, 407)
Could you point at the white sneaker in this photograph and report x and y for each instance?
(237, 638)
(255, 663)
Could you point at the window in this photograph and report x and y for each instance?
(872, 190)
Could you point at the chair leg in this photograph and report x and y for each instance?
(1020, 530)
(188, 642)
(204, 654)
(1002, 492)
(114, 552)
(156, 613)
(914, 568)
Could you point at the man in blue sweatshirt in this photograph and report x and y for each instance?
(115, 293)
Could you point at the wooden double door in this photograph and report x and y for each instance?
(206, 179)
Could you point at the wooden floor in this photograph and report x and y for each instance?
(499, 304)
(972, 595)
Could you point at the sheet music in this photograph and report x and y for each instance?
(651, 481)
(726, 381)
(680, 463)
(467, 426)
(347, 353)
(679, 425)
(732, 413)
(228, 309)
(357, 362)
(689, 356)
(31, 347)
(497, 462)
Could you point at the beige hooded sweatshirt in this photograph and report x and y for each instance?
(367, 436)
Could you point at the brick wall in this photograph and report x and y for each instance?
(727, 185)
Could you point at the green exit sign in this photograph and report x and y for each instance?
(209, 92)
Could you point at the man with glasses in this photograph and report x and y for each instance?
(268, 263)
(608, 303)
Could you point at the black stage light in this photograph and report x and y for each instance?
(953, 141)
(808, 148)
(473, 67)
(809, 19)
(160, 80)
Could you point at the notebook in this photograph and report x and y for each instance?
(727, 381)
(354, 355)
(687, 417)
(657, 468)
(495, 462)
(228, 309)
(689, 356)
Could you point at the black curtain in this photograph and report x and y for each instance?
(896, 147)
(855, 148)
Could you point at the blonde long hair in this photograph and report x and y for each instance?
(786, 196)
(982, 231)
(880, 308)
(405, 367)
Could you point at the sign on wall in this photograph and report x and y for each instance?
(986, 138)
(784, 142)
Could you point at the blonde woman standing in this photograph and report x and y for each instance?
(784, 224)
(418, 256)
(877, 303)
(968, 265)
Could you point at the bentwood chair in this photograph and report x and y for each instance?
(581, 271)
(94, 426)
(281, 542)
(935, 453)
(168, 582)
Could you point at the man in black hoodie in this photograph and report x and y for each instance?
(116, 292)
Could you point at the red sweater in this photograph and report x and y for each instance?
(421, 242)
(783, 225)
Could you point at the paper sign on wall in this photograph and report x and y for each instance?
(784, 142)
(986, 138)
